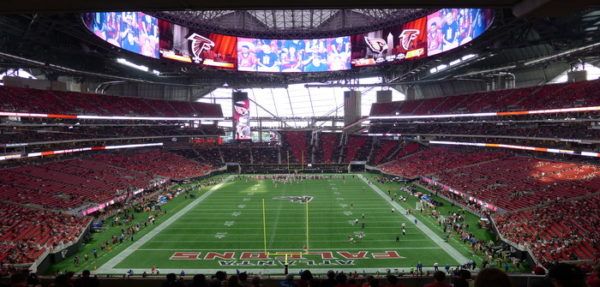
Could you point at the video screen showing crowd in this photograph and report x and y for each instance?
(133, 31)
(313, 55)
(450, 28)
(430, 35)
(438, 32)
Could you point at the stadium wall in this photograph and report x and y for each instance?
(60, 253)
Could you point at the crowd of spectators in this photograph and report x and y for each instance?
(383, 149)
(157, 162)
(561, 230)
(26, 233)
(435, 160)
(559, 275)
(327, 150)
(572, 130)
(357, 148)
(295, 146)
(548, 202)
(74, 183)
(70, 183)
(55, 102)
(568, 95)
(31, 134)
(516, 182)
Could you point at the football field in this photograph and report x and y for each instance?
(339, 222)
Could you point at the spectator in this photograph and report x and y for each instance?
(492, 277)
(330, 281)
(288, 281)
(539, 281)
(341, 280)
(86, 280)
(393, 281)
(371, 282)
(62, 280)
(256, 282)
(199, 280)
(594, 279)
(233, 281)
(439, 280)
(18, 280)
(306, 279)
(566, 275)
(243, 276)
(172, 281)
(463, 278)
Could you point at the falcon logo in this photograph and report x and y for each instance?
(295, 199)
(377, 45)
(199, 45)
(407, 36)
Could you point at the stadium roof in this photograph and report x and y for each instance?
(520, 7)
(290, 23)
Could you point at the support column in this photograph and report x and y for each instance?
(351, 107)
(384, 96)
(411, 93)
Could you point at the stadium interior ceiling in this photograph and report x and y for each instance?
(49, 45)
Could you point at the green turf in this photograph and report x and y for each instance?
(446, 209)
(98, 238)
(231, 220)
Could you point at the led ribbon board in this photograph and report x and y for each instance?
(89, 117)
(76, 150)
(519, 147)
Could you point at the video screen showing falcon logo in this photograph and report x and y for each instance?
(295, 199)
(208, 49)
(391, 44)
(199, 45)
(407, 37)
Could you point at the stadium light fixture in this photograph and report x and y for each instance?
(468, 57)
(132, 65)
(509, 67)
(542, 59)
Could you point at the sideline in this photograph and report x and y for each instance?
(109, 266)
(461, 259)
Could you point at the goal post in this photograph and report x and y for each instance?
(306, 247)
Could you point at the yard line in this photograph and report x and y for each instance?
(434, 237)
(273, 229)
(109, 266)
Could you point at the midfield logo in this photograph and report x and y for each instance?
(295, 199)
